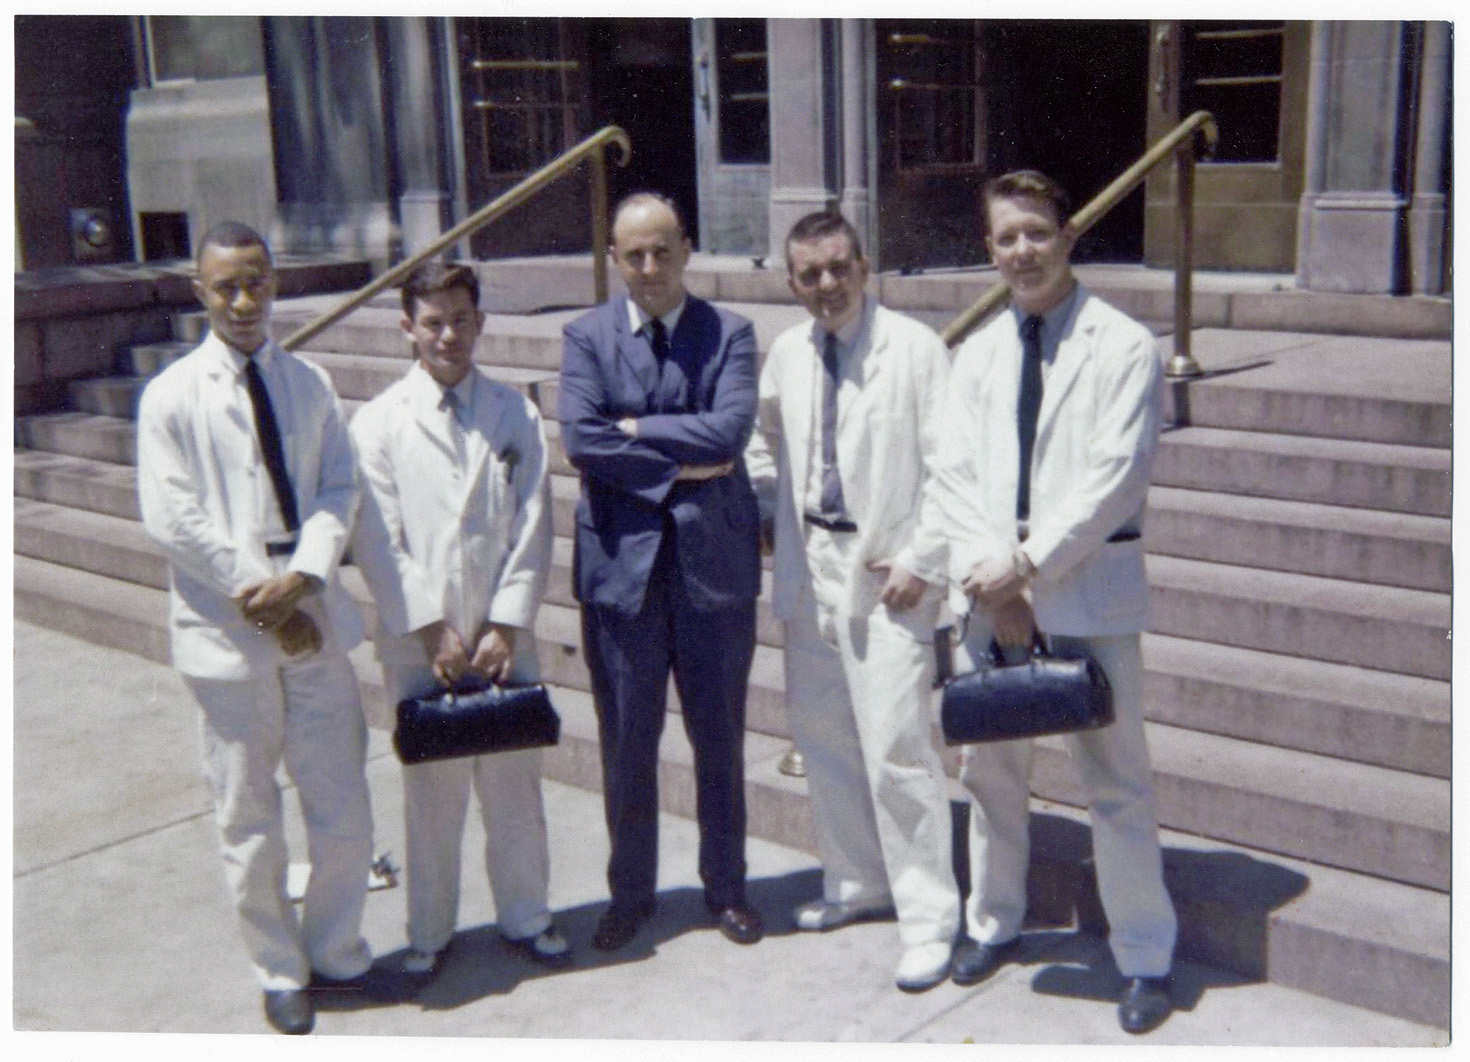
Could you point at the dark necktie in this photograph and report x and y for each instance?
(270, 444)
(658, 339)
(832, 502)
(1028, 408)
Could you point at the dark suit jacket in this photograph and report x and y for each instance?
(700, 411)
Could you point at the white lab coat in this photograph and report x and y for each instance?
(884, 464)
(1096, 436)
(207, 498)
(201, 482)
(858, 675)
(467, 544)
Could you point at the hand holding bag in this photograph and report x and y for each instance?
(1044, 695)
(473, 718)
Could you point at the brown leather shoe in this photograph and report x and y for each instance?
(740, 923)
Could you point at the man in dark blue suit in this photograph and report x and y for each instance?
(657, 401)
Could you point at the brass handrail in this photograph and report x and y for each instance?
(592, 149)
(1183, 142)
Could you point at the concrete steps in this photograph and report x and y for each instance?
(1352, 713)
(1371, 716)
(1390, 824)
(1370, 546)
(78, 483)
(1254, 911)
(1296, 679)
(1360, 816)
(1345, 472)
(1382, 627)
(1235, 301)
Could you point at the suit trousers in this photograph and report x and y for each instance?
(860, 704)
(1113, 768)
(435, 801)
(309, 714)
(630, 657)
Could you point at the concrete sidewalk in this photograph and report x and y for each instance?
(121, 923)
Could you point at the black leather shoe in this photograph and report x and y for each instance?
(739, 923)
(974, 962)
(1146, 1004)
(619, 925)
(289, 1010)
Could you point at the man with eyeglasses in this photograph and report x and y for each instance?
(845, 434)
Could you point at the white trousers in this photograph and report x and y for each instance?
(308, 714)
(435, 801)
(1114, 771)
(860, 706)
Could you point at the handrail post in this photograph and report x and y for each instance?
(1182, 365)
(599, 226)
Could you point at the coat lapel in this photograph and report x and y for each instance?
(236, 429)
(1072, 353)
(633, 353)
(477, 436)
(424, 396)
(803, 383)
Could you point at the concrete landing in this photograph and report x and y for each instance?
(121, 926)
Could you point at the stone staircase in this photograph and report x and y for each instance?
(1297, 670)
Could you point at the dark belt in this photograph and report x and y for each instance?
(839, 523)
(280, 549)
(1116, 536)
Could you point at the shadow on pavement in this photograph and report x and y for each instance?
(479, 964)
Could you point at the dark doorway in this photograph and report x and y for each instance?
(1068, 97)
(641, 77)
(73, 76)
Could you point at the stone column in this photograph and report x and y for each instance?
(859, 130)
(804, 162)
(1428, 217)
(1354, 209)
(416, 88)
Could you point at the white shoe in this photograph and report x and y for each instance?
(924, 966)
(548, 947)
(422, 962)
(818, 916)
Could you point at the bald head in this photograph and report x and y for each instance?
(651, 251)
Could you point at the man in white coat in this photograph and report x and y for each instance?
(455, 543)
(1049, 434)
(246, 478)
(845, 433)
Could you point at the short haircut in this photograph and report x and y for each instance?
(1029, 184)
(436, 276)
(636, 199)
(232, 234)
(820, 224)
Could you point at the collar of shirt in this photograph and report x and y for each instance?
(1052, 322)
(464, 392)
(849, 336)
(263, 357)
(638, 320)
